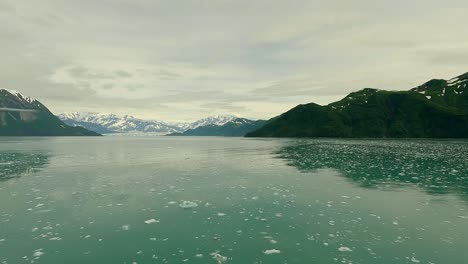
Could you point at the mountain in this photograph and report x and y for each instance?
(436, 109)
(235, 128)
(217, 120)
(21, 115)
(111, 123)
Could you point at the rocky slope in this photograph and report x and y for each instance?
(21, 115)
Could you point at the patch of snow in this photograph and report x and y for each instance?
(21, 96)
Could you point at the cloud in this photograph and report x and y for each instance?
(177, 60)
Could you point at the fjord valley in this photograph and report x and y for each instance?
(435, 109)
(233, 132)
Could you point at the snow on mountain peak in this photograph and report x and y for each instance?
(217, 120)
(20, 95)
(128, 123)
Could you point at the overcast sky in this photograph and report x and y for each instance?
(183, 60)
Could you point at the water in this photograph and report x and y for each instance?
(232, 200)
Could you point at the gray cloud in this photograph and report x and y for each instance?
(182, 60)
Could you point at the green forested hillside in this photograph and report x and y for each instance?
(436, 109)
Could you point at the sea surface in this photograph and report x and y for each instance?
(139, 200)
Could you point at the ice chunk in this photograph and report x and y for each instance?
(344, 249)
(188, 204)
(151, 221)
(38, 252)
(218, 257)
(271, 251)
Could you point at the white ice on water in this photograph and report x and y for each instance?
(151, 221)
(271, 251)
(188, 204)
(344, 249)
(218, 257)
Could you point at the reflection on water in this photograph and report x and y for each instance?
(109, 200)
(436, 166)
(16, 164)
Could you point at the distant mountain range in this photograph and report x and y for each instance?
(21, 115)
(111, 123)
(436, 109)
(237, 127)
(219, 125)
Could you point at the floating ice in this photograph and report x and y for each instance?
(38, 253)
(126, 227)
(221, 214)
(188, 204)
(151, 221)
(271, 251)
(415, 260)
(344, 249)
(218, 257)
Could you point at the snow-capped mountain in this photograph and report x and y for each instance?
(217, 120)
(111, 123)
(238, 127)
(21, 115)
(16, 100)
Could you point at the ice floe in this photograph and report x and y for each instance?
(38, 253)
(344, 249)
(151, 221)
(188, 204)
(218, 257)
(271, 251)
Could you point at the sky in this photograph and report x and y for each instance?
(183, 60)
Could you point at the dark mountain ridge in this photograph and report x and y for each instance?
(21, 115)
(436, 109)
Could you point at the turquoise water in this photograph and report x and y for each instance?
(232, 200)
